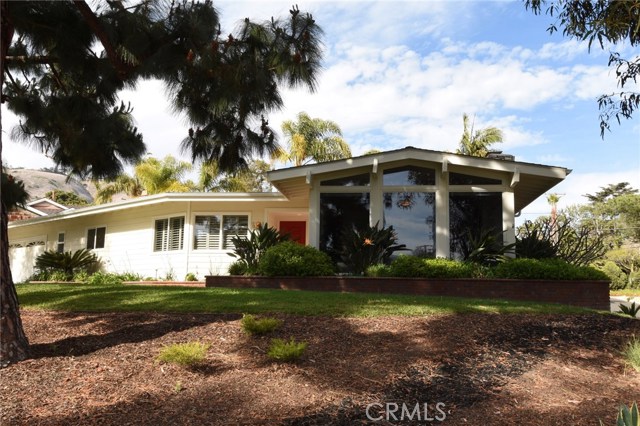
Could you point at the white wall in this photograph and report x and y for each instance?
(130, 234)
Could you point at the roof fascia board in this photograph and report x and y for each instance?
(152, 200)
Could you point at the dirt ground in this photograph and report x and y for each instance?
(475, 369)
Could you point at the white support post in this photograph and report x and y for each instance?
(508, 219)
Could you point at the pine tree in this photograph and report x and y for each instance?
(64, 62)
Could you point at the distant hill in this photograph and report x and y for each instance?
(39, 182)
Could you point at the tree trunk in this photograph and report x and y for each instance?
(14, 345)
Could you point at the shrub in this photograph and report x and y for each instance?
(411, 266)
(191, 277)
(105, 278)
(249, 250)
(68, 263)
(618, 279)
(238, 268)
(81, 277)
(284, 351)
(252, 325)
(294, 260)
(185, 354)
(545, 269)
(378, 270)
(58, 276)
(631, 353)
(369, 246)
(130, 276)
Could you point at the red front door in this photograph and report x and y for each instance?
(296, 229)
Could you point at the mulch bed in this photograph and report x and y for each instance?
(100, 368)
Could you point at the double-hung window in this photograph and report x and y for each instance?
(60, 243)
(95, 238)
(169, 234)
(215, 232)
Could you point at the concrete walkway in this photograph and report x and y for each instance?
(616, 301)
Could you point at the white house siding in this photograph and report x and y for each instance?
(130, 235)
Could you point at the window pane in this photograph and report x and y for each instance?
(161, 231)
(176, 233)
(470, 216)
(234, 226)
(337, 212)
(412, 215)
(409, 175)
(462, 179)
(207, 233)
(91, 238)
(100, 233)
(358, 180)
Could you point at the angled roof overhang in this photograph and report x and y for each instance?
(168, 197)
(528, 180)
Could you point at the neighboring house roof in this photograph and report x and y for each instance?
(45, 207)
(529, 180)
(154, 199)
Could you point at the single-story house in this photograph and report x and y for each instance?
(431, 198)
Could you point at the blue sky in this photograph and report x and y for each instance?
(402, 73)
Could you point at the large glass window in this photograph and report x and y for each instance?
(470, 216)
(233, 226)
(215, 232)
(412, 215)
(462, 179)
(169, 234)
(409, 176)
(357, 180)
(337, 213)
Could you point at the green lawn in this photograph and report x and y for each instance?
(81, 297)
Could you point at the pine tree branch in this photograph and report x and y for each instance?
(93, 22)
(38, 59)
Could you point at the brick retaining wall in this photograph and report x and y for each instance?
(587, 294)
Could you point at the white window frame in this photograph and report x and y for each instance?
(95, 236)
(60, 243)
(221, 215)
(166, 239)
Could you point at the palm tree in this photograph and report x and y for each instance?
(250, 179)
(477, 143)
(151, 176)
(312, 139)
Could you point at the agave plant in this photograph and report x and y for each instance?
(631, 310)
(67, 262)
(486, 248)
(627, 416)
(362, 248)
(248, 250)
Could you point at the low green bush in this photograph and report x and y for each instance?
(631, 353)
(253, 325)
(281, 350)
(185, 354)
(379, 270)
(289, 259)
(238, 268)
(545, 269)
(105, 278)
(81, 277)
(618, 279)
(191, 277)
(411, 266)
(67, 263)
